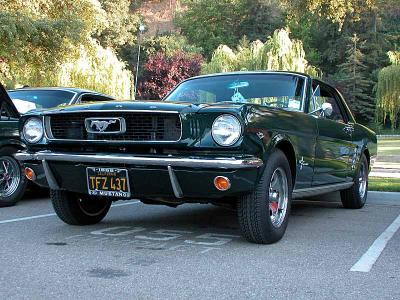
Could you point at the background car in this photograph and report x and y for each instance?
(252, 140)
(14, 104)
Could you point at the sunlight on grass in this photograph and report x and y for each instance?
(384, 184)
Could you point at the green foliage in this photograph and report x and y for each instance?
(121, 25)
(210, 23)
(334, 10)
(96, 69)
(388, 93)
(169, 45)
(355, 82)
(46, 42)
(279, 52)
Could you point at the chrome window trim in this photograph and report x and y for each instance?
(50, 136)
(305, 77)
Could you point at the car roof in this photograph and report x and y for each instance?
(67, 89)
(252, 72)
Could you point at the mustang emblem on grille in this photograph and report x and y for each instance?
(101, 126)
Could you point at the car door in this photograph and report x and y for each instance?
(9, 117)
(334, 145)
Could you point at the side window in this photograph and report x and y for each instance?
(4, 113)
(322, 95)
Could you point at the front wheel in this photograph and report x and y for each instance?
(356, 196)
(12, 181)
(263, 215)
(75, 209)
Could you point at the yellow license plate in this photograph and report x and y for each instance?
(108, 182)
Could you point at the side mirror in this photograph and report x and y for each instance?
(327, 109)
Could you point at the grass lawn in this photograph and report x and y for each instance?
(384, 184)
(388, 147)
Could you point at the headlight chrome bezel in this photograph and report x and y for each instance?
(238, 130)
(39, 128)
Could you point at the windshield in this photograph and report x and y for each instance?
(26, 100)
(274, 90)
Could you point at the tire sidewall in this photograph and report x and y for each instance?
(277, 159)
(363, 161)
(20, 191)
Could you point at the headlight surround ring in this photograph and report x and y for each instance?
(33, 130)
(226, 130)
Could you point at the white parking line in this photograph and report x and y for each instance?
(370, 257)
(52, 215)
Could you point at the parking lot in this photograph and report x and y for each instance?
(195, 251)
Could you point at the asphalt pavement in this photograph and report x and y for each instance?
(196, 252)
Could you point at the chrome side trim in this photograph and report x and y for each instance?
(175, 184)
(190, 162)
(319, 190)
(51, 180)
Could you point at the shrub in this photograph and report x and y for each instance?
(162, 73)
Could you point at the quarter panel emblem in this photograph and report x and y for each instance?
(105, 125)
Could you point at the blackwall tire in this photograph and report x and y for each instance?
(13, 182)
(75, 209)
(264, 214)
(356, 196)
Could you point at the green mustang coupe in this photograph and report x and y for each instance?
(252, 140)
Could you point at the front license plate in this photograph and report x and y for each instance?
(108, 182)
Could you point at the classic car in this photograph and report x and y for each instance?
(252, 140)
(15, 103)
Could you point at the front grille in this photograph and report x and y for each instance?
(140, 127)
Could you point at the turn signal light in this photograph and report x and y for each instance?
(222, 183)
(30, 174)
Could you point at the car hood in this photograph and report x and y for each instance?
(156, 106)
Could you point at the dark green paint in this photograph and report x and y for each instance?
(327, 153)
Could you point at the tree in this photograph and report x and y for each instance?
(210, 23)
(162, 73)
(334, 10)
(356, 84)
(47, 42)
(121, 25)
(388, 91)
(279, 52)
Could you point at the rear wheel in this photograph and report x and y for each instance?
(12, 180)
(356, 196)
(75, 209)
(263, 215)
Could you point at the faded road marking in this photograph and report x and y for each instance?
(27, 218)
(370, 257)
(52, 215)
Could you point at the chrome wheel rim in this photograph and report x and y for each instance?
(362, 181)
(92, 207)
(278, 197)
(10, 177)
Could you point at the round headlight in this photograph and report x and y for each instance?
(33, 130)
(226, 130)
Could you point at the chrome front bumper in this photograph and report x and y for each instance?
(172, 161)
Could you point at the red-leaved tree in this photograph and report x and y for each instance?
(162, 73)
